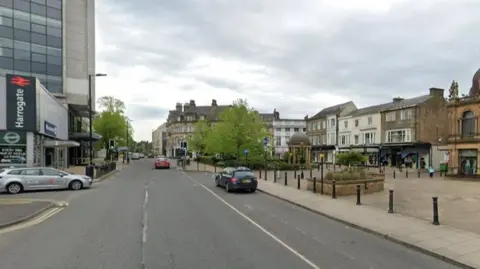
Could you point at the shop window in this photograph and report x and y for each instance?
(468, 161)
(468, 124)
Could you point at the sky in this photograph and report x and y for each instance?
(294, 56)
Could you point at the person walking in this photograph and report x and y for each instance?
(431, 171)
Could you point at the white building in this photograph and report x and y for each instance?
(283, 129)
(332, 128)
(159, 139)
(361, 131)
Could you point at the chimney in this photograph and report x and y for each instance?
(214, 102)
(186, 107)
(397, 99)
(178, 107)
(436, 92)
(192, 103)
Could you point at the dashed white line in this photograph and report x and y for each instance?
(278, 240)
(144, 225)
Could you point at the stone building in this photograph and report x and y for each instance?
(463, 143)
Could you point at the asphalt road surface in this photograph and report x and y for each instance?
(156, 219)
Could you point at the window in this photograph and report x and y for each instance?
(6, 52)
(37, 57)
(19, 45)
(15, 172)
(390, 116)
(22, 65)
(21, 35)
(333, 139)
(54, 31)
(23, 25)
(287, 130)
(332, 122)
(39, 28)
(345, 123)
(368, 138)
(4, 21)
(405, 114)
(398, 136)
(54, 13)
(278, 141)
(38, 9)
(356, 123)
(20, 15)
(296, 130)
(21, 55)
(356, 139)
(52, 3)
(6, 32)
(52, 172)
(31, 172)
(344, 140)
(55, 42)
(41, 2)
(39, 67)
(21, 5)
(304, 130)
(370, 121)
(54, 70)
(278, 129)
(468, 124)
(6, 3)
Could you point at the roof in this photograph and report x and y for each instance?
(407, 103)
(299, 138)
(210, 112)
(330, 110)
(267, 116)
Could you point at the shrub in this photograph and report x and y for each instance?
(350, 158)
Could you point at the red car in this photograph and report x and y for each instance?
(162, 163)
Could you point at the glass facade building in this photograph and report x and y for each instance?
(31, 42)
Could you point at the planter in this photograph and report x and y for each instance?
(349, 187)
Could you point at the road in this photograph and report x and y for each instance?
(154, 219)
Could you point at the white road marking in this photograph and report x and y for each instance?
(278, 240)
(144, 224)
(49, 213)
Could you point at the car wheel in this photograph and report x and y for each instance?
(253, 190)
(216, 182)
(227, 188)
(76, 185)
(14, 188)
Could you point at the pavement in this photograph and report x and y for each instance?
(146, 218)
(15, 211)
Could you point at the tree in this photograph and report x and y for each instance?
(239, 128)
(350, 158)
(112, 104)
(198, 141)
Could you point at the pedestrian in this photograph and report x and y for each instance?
(431, 171)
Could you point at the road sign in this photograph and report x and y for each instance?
(265, 141)
(245, 151)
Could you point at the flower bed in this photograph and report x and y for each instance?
(347, 180)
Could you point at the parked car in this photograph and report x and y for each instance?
(142, 155)
(135, 156)
(234, 179)
(151, 155)
(16, 180)
(162, 163)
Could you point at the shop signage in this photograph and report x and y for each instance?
(50, 128)
(21, 103)
(13, 147)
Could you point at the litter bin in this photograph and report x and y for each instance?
(90, 170)
(443, 167)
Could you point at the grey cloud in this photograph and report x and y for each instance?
(219, 83)
(367, 57)
(142, 112)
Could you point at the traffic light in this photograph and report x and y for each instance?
(111, 143)
(183, 144)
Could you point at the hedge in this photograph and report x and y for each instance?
(253, 163)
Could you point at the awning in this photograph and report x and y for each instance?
(84, 136)
(59, 143)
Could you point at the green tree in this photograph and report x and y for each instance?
(198, 141)
(112, 104)
(350, 158)
(239, 128)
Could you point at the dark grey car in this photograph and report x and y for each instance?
(234, 179)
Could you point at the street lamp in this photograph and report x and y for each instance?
(90, 116)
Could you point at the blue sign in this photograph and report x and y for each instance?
(245, 151)
(50, 128)
(265, 141)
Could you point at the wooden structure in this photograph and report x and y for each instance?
(297, 145)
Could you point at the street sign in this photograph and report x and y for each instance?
(265, 141)
(245, 151)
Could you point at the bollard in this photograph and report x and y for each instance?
(441, 173)
(298, 182)
(285, 182)
(390, 201)
(318, 167)
(393, 173)
(406, 173)
(215, 168)
(294, 172)
(311, 175)
(358, 195)
(260, 174)
(334, 190)
(435, 211)
(266, 174)
(321, 185)
(302, 176)
(418, 173)
(275, 176)
(314, 184)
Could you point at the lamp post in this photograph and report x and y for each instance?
(90, 114)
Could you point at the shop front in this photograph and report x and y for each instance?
(34, 128)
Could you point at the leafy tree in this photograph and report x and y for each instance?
(198, 141)
(350, 158)
(112, 104)
(239, 128)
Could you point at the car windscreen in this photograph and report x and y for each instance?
(161, 160)
(243, 174)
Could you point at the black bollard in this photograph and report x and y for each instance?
(285, 181)
(266, 174)
(418, 173)
(314, 184)
(311, 175)
(358, 195)
(435, 211)
(215, 168)
(298, 182)
(393, 173)
(260, 173)
(406, 173)
(318, 166)
(390, 201)
(334, 190)
(321, 185)
(294, 172)
(275, 176)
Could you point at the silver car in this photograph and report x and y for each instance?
(16, 180)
